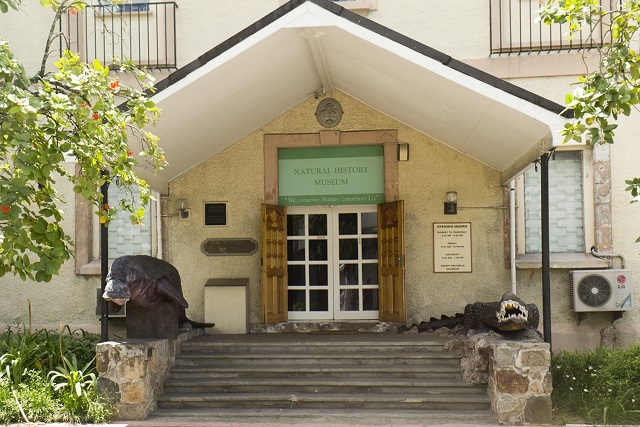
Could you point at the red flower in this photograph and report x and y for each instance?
(5, 208)
(83, 105)
(95, 116)
(73, 11)
(106, 207)
(114, 85)
(130, 153)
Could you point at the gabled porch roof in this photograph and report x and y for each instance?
(307, 46)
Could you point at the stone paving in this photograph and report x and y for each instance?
(246, 424)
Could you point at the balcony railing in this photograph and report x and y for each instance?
(514, 29)
(142, 32)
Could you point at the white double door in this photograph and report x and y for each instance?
(332, 263)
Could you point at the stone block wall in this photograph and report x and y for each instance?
(132, 372)
(520, 382)
(517, 374)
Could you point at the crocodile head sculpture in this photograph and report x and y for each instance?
(508, 314)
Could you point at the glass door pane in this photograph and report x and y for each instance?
(356, 238)
(308, 263)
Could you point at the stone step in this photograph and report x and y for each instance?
(272, 359)
(399, 401)
(334, 378)
(265, 416)
(311, 347)
(321, 385)
(423, 371)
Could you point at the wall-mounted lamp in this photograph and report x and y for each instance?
(403, 152)
(182, 205)
(451, 205)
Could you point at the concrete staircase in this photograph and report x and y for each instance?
(358, 378)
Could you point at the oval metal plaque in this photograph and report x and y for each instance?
(229, 247)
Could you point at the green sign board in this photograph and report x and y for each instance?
(351, 175)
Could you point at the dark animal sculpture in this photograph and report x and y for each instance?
(508, 314)
(147, 282)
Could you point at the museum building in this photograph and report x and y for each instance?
(369, 171)
(328, 170)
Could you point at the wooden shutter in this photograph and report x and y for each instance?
(274, 264)
(391, 261)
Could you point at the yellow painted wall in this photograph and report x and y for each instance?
(432, 170)
(67, 299)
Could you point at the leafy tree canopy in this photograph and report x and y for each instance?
(614, 88)
(77, 112)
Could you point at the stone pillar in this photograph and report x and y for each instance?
(132, 372)
(517, 373)
(520, 382)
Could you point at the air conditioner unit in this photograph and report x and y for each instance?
(601, 290)
(122, 312)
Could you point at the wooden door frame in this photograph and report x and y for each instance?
(273, 277)
(391, 259)
(331, 138)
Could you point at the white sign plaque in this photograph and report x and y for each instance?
(452, 247)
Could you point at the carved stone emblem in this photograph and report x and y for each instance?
(329, 112)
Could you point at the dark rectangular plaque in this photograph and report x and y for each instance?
(215, 214)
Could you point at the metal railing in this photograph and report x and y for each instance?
(142, 32)
(514, 30)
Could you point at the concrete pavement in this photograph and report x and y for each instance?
(251, 424)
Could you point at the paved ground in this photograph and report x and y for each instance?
(249, 424)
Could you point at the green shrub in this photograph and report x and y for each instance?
(34, 397)
(44, 350)
(49, 376)
(598, 387)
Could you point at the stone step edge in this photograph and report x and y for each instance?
(311, 413)
(329, 382)
(302, 355)
(392, 344)
(321, 397)
(296, 370)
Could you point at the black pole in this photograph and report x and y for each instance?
(104, 267)
(546, 272)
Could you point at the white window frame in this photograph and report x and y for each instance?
(151, 215)
(333, 260)
(352, 4)
(87, 234)
(587, 202)
(132, 6)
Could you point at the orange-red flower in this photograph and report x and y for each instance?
(130, 153)
(5, 208)
(73, 11)
(114, 85)
(95, 116)
(83, 105)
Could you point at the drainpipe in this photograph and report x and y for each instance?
(512, 232)
(104, 267)
(158, 222)
(546, 271)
